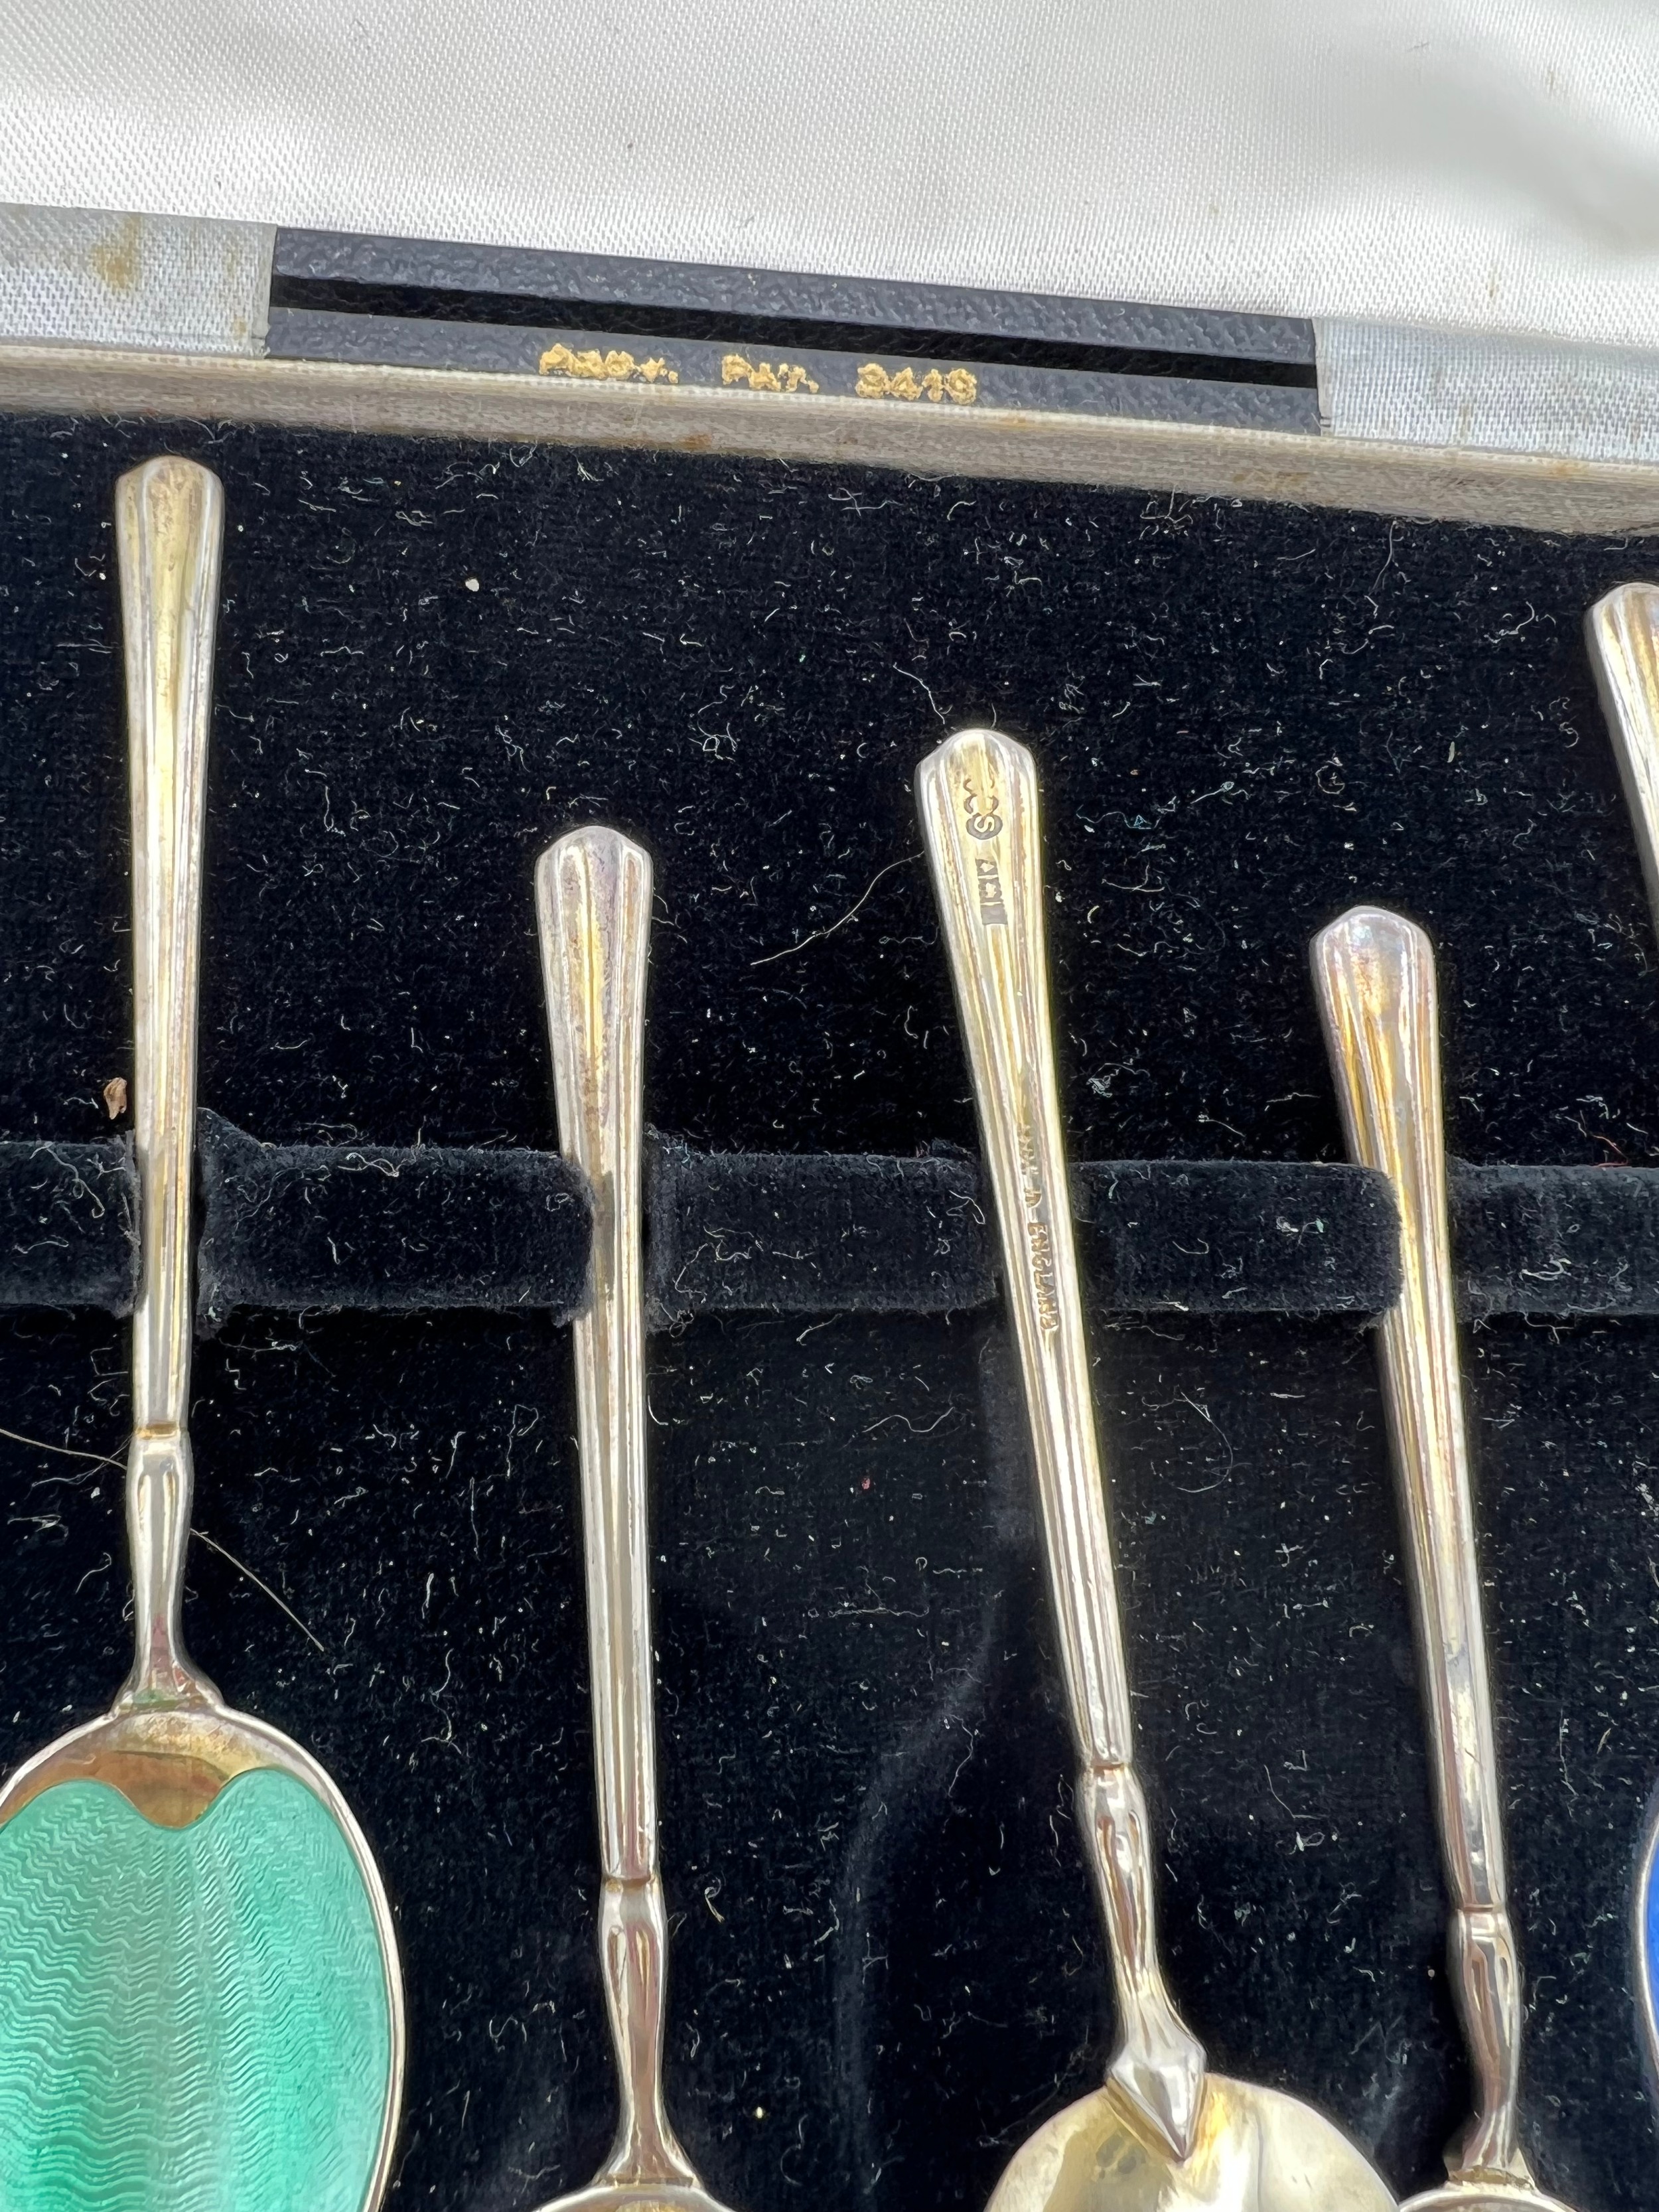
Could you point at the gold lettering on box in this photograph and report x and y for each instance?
(959, 385)
(614, 368)
(764, 376)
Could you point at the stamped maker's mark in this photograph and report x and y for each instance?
(983, 821)
(1039, 1232)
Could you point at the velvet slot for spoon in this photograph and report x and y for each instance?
(1164, 2134)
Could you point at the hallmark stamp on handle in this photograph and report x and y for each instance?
(982, 821)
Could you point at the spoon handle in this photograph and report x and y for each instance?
(1373, 975)
(978, 801)
(1623, 630)
(170, 526)
(593, 908)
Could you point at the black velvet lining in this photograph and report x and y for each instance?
(887, 1962)
(69, 1224)
(439, 1228)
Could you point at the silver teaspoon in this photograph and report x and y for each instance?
(1164, 2134)
(1374, 975)
(593, 909)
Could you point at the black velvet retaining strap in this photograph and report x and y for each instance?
(814, 1233)
(301, 1228)
(1557, 1241)
(787, 1232)
(1238, 1236)
(426, 1229)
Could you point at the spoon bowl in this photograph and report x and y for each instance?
(637, 2197)
(1253, 2150)
(171, 1761)
(1484, 2196)
(181, 1807)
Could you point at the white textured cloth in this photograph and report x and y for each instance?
(1480, 164)
(1515, 395)
(183, 285)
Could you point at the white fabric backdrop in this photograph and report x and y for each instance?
(1481, 164)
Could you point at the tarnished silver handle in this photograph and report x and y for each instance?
(1374, 975)
(170, 526)
(593, 908)
(1623, 630)
(978, 801)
